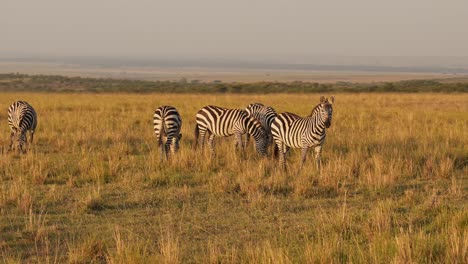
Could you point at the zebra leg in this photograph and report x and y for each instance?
(318, 157)
(31, 140)
(238, 141)
(167, 147)
(304, 155)
(161, 148)
(173, 146)
(23, 145)
(282, 155)
(239, 144)
(11, 141)
(276, 150)
(211, 144)
(201, 140)
(247, 139)
(23, 149)
(176, 143)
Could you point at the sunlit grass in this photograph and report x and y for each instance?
(93, 189)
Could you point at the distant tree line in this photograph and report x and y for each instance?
(52, 83)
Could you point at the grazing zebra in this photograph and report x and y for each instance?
(292, 131)
(21, 118)
(167, 124)
(218, 121)
(265, 115)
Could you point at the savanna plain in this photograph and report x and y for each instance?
(93, 189)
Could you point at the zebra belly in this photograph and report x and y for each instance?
(293, 142)
(222, 133)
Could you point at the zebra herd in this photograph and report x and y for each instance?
(285, 130)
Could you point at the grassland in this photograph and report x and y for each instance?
(393, 187)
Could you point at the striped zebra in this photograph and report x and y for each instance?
(265, 115)
(21, 118)
(292, 131)
(222, 122)
(167, 124)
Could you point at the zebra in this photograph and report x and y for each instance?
(265, 115)
(292, 131)
(21, 118)
(167, 123)
(223, 122)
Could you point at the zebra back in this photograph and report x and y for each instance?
(221, 121)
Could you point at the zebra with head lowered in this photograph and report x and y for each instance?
(265, 115)
(167, 124)
(222, 122)
(21, 118)
(292, 131)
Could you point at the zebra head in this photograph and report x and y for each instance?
(258, 132)
(19, 139)
(326, 110)
(254, 107)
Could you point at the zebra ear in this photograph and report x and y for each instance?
(332, 100)
(322, 99)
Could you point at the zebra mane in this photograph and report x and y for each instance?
(314, 110)
(292, 114)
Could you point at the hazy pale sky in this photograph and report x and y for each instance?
(235, 28)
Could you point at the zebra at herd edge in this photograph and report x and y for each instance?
(167, 124)
(21, 118)
(286, 130)
(292, 131)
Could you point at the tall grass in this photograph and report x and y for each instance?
(93, 189)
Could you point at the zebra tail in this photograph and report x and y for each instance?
(197, 134)
(162, 132)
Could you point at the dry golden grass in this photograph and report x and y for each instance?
(93, 189)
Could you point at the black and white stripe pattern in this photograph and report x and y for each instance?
(265, 115)
(167, 124)
(222, 122)
(292, 131)
(21, 118)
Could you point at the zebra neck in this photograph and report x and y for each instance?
(317, 125)
(241, 125)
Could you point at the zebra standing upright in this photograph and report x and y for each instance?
(21, 118)
(167, 123)
(265, 115)
(290, 130)
(218, 121)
